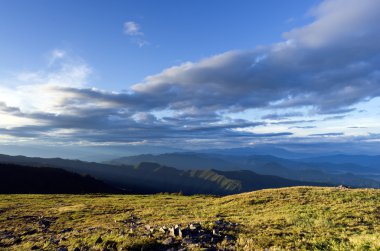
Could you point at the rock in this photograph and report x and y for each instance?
(215, 232)
(110, 245)
(54, 241)
(194, 226)
(17, 240)
(76, 249)
(343, 187)
(44, 223)
(188, 240)
(62, 249)
(99, 240)
(69, 229)
(180, 233)
(30, 231)
(172, 232)
(163, 229)
(175, 231)
(229, 238)
(168, 241)
(206, 237)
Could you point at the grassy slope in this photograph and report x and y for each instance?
(288, 218)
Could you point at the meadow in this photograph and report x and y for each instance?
(298, 218)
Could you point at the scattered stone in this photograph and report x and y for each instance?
(194, 226)
(163, 229)
(99, 240)
(110, 245)
(44, 223)
(17, 240)
(69, 229)
(343, 187)
(29, 231)
(168, 241)
(62, 249)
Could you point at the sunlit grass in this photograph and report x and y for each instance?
(274, 219)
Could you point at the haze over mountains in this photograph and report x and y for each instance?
(217, 172)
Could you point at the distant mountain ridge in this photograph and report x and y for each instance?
(195, 173)
(333, 173)
(154, 178)
(44, 180)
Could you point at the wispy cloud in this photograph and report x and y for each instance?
(133, 30)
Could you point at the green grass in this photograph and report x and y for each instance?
(301, 218)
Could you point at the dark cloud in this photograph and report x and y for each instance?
(330, 134)
(276, 116)
(290, 122)
(337, 117)
(302, 127)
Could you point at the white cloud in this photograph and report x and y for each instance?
(132, 29)
(36, 91)
(55, 55)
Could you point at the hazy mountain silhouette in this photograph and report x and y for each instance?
(44, 180)
(334, 173)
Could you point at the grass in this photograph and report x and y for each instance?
(300, 218)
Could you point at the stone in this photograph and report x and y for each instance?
(62, 249)
(30, 231)
(99, 240)
(229, 238)
(163, 229)
(215, 232)
(194, 226)
(69, 229)
(54, 241)
(172, 232)
(180, 233)
(168, 241)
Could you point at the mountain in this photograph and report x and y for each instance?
(195, 173)
(257, 150)
(348, 174)
(186, 160)
(44, 180)
(147, 177)
(362, 160)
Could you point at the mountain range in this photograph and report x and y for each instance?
(216, 173)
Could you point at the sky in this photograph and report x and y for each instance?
(88, 78)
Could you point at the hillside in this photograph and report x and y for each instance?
(299, 218)
(24, 179)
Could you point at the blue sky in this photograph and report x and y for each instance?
(176, 31)
(147, 75)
